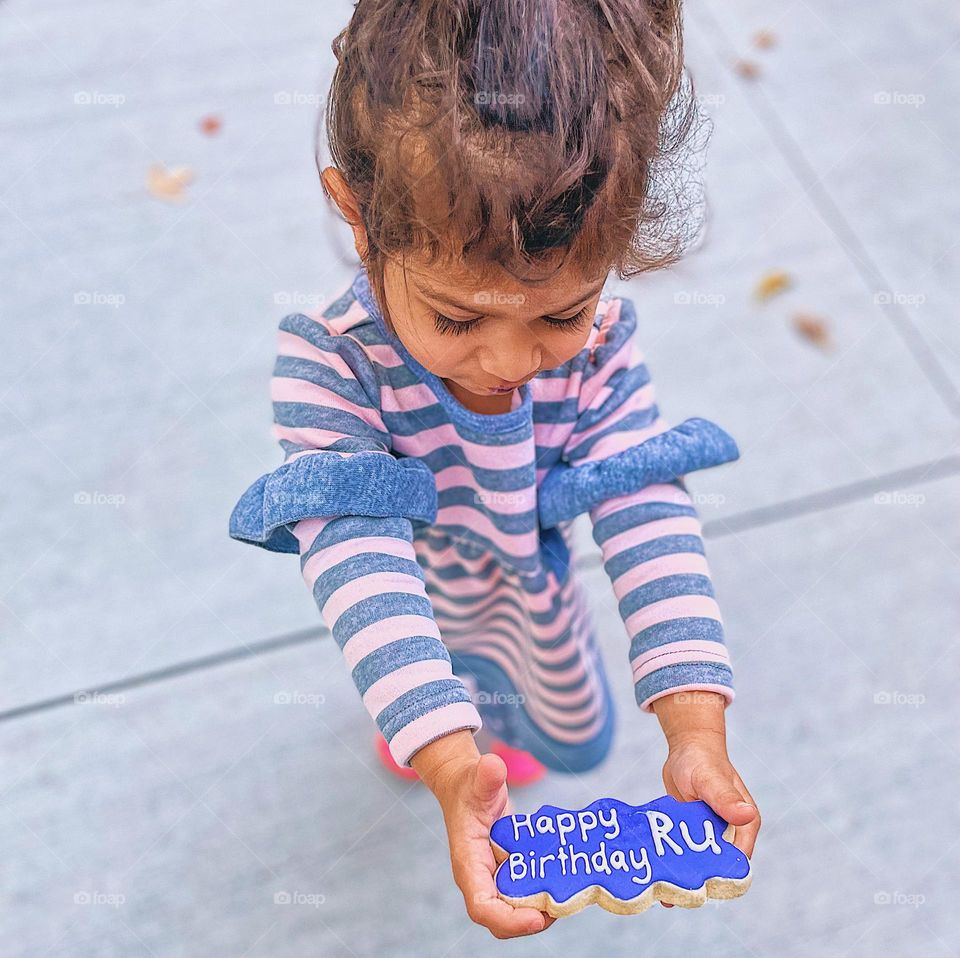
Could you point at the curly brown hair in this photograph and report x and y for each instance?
(510, 132)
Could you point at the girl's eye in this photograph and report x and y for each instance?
(571, 322)
(457, 327)
(445, 324)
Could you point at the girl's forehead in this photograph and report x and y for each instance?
(461, 285)
(491, 300)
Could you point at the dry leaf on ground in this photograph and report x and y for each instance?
(813, 328)
(169, 184)
(211, 125)
(771, 283)
(764, 39)
(746, 69)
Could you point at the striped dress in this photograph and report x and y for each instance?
(436, 540)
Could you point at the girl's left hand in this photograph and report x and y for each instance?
(698, 768)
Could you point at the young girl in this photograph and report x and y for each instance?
(473, 390)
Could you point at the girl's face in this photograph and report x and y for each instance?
(488, 338)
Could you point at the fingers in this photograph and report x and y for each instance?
(729, 802)
(474, 866)
(507, 809)
(505, 921)
(486, 908)
(489, 779)
(723, 790)
(745, 836)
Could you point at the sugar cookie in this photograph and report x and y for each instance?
(621, 857)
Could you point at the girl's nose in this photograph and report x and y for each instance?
(513, 364)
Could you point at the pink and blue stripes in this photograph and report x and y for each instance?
(437, 563)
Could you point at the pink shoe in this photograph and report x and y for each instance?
(387, 760)
(522, 767)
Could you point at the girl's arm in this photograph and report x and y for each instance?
(698, 766)
(345, 504)
(472, 791)
(369, 588)
(627, 472)
(623, 465)
(652, 548)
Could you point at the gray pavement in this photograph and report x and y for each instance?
(183, 749)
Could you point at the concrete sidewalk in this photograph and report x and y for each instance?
(212, 790)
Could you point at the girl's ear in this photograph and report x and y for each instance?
(337, 189)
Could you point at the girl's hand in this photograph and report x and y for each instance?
(472, 792)
(697, 767)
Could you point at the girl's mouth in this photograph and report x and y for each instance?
(508, 387)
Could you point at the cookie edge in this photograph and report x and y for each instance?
(719, 888)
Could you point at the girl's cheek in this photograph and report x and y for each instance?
(557, 351)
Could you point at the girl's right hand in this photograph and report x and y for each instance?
(472, 792)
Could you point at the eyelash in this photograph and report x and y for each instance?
(444, 324)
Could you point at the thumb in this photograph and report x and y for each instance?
(727, 801)
(489, 778)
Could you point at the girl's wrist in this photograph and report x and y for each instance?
(438, 763)
(693, 717)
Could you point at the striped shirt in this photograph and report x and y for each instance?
(436, 540)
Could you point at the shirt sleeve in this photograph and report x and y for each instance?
(347, 504)
(624, 465)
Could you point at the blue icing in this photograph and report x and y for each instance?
(623, 848)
